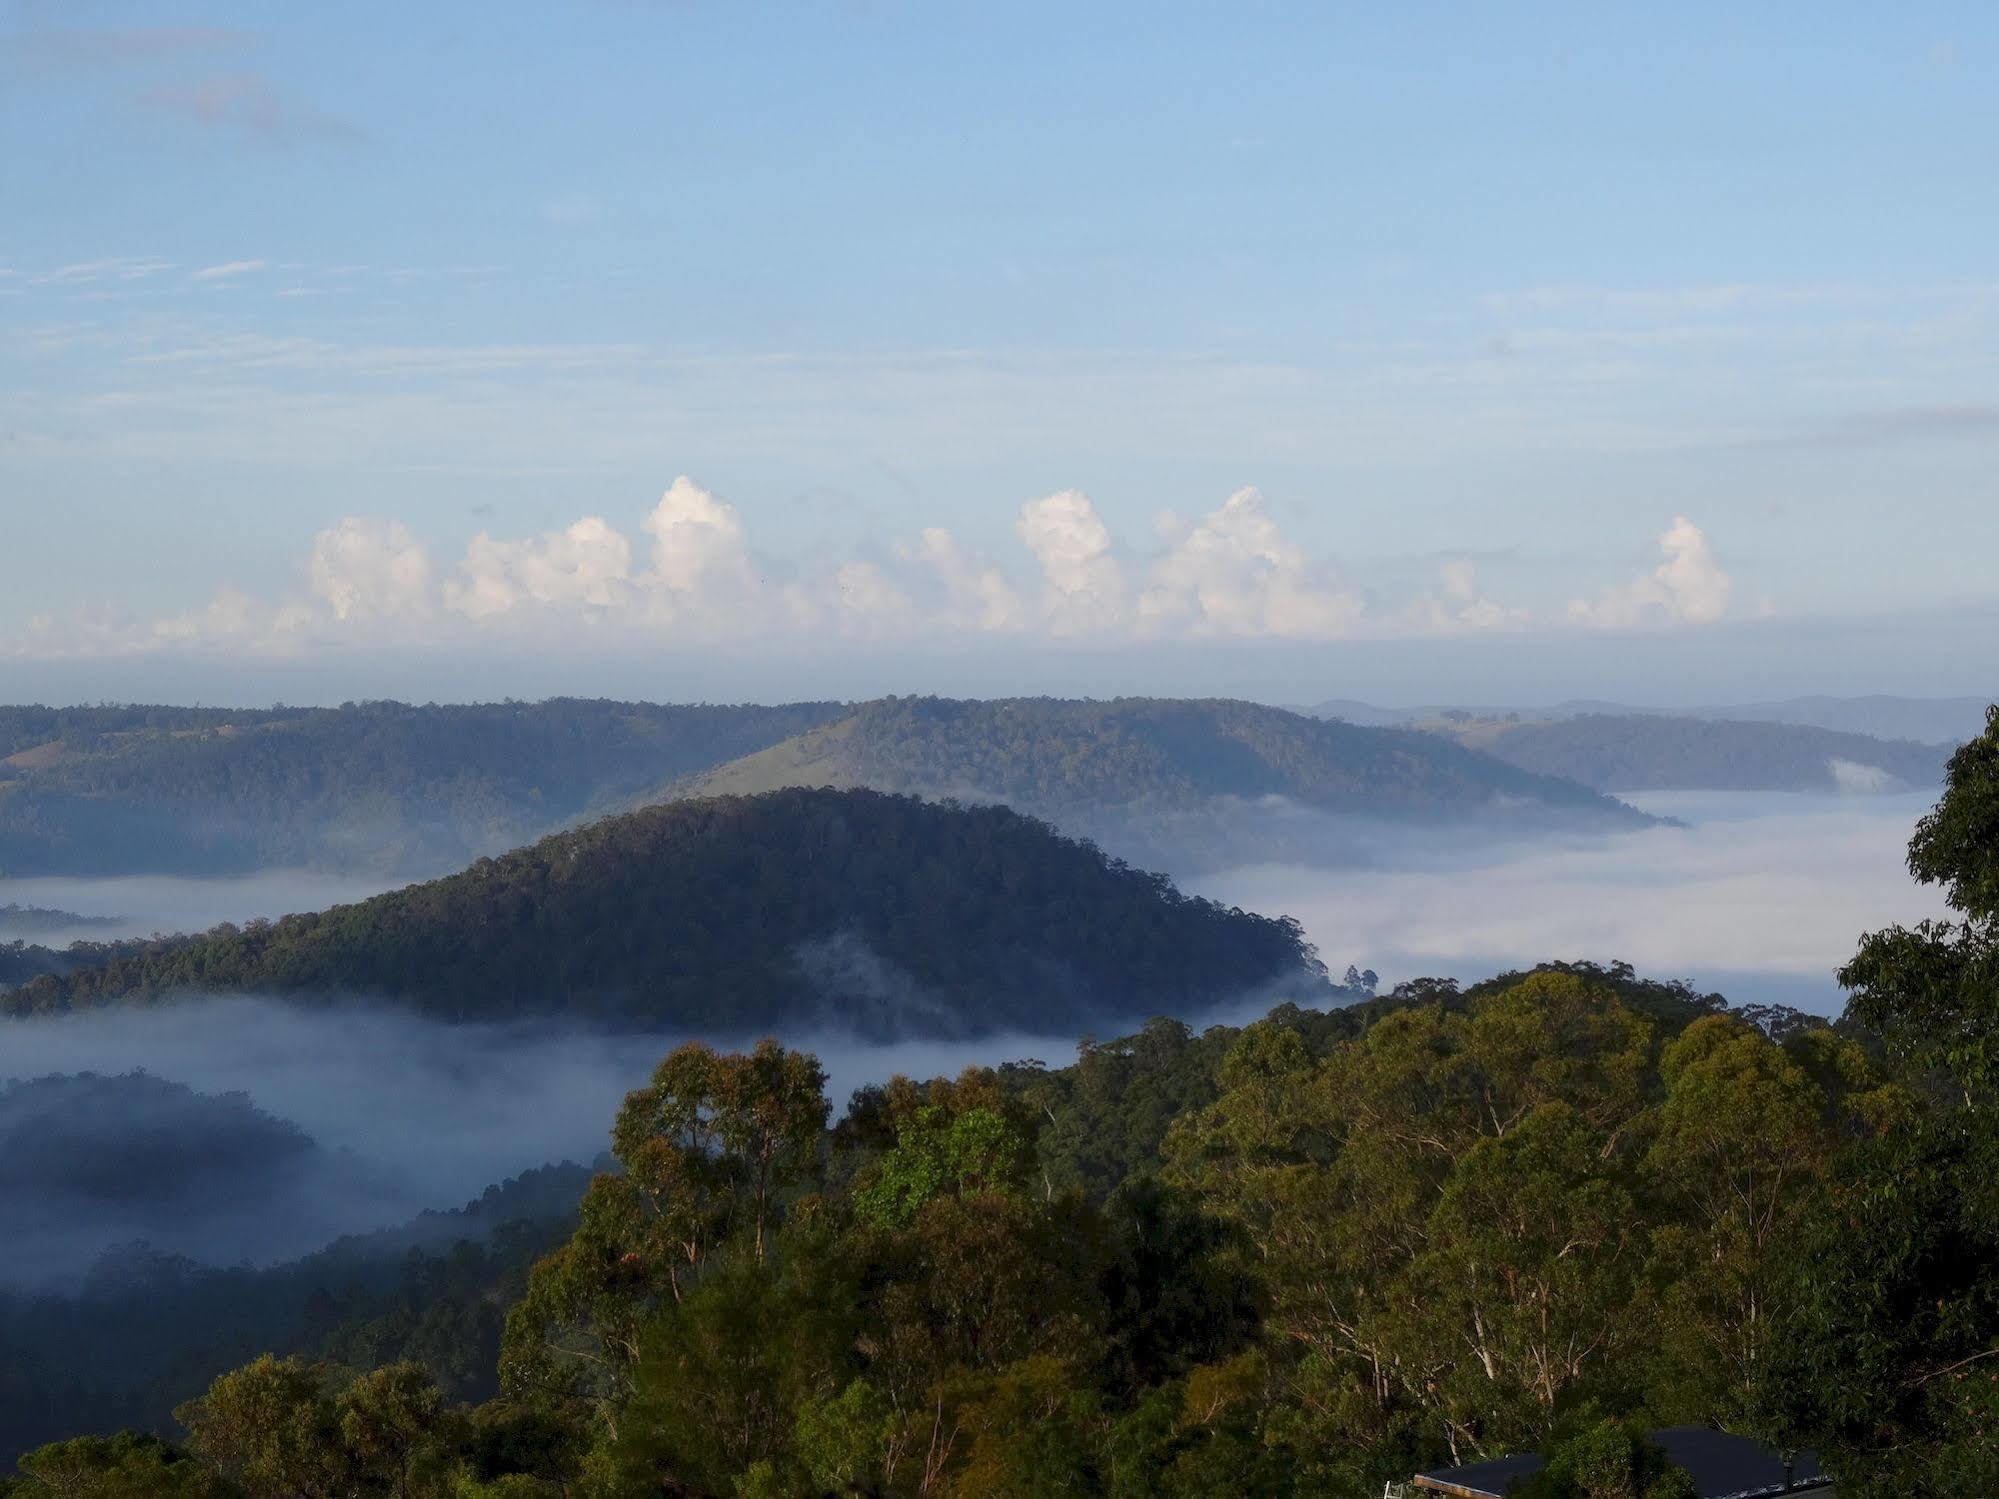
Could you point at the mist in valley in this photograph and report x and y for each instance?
(1761, 896)
(398, 1115)
(142, 905)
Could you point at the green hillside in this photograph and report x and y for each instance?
(879, 912)
(1059, 759)
(382, 787)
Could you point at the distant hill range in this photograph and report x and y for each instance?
(1116, 766)
(850, 909)
(380, 787)
(1943, 720)
(1644, 752)
(409, 791)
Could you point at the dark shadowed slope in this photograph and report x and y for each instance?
(844, 907)
(381, 787)
(1058, 758)
(1641, 752)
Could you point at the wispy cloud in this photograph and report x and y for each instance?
(229, 270)
(79, 48)
(250, 104)
(254, 352)
(107, 268)
(155, 60)
(1946, 421)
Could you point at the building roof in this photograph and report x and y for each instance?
(1487, 1480)
(1722, 1467)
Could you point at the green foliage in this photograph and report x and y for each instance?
(843, 1441)
(1607, 1460)
(1957, 844)
(1467, 1219)
(722, 1381)
(708, 1150)
(130, 1465)
(1892, 1324)
(978, 1151)
(1888, 1348)
(1933, 991)
(876, 911)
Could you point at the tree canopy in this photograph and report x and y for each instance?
(1296, 1258)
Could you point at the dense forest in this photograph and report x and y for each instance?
(21, 961)
(384, 787)
(837, 909)
(1655, 752)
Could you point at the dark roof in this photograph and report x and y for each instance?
(1730, 1467)
(1721, 1466)
(1488, 1478)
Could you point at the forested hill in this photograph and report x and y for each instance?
(881, 913)
(1059, 758)
(1648, 752)
(382, 787)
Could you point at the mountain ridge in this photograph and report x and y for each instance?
(1053, 757)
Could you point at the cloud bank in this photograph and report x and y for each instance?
(1761, 895)
(689, 573)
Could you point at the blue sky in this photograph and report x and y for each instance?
(366, 347)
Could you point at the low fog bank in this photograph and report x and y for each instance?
(1230, 832)
(88, 1161)
(141, 905)
(402, 1115)
(1760, 896)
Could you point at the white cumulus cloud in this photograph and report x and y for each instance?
(1459, 605)
(1083, 587)
(689, 574)
(590, 563)
(370, 569)
(1688, 588)
(699, 547)
(1234, 573)
(977, 594)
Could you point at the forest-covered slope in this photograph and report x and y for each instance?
(1057, 758)
(1648, 752)
(844, 907)
(370, 786)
